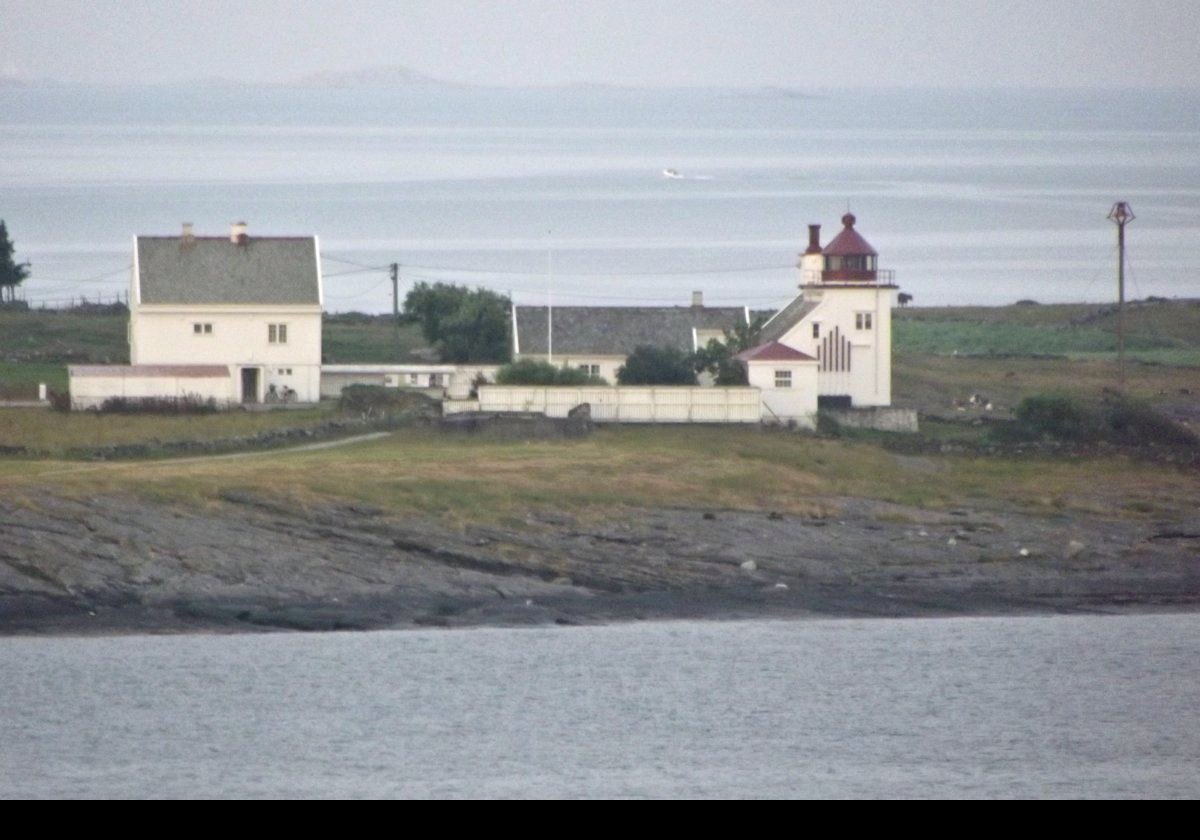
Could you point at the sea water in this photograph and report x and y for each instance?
(995, 707)
(970, 196)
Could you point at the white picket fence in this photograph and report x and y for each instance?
(629, 404)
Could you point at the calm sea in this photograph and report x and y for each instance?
(995, 707)
(972, 197)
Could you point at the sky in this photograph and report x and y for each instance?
(740, 43)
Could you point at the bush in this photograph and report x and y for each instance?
(530, 372)
(1118, 419)
(1058, 417)
(657, 366)
(1133, 422)
(378, 401)
(59, 400)
(189, 404)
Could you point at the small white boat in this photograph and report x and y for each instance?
(671, 173)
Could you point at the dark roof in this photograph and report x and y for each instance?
(180, 371)
(214, 270)
(849, 243)
(617, 330)
(785, 319)
(773, 351)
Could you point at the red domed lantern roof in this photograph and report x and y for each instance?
(849, 243)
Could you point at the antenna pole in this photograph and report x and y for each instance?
(549, 301)
(1121, 215)
(395, 271)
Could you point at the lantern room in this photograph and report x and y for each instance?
(849, 257)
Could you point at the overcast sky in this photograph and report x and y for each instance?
(1071, 43)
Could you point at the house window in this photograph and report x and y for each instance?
(277, 333)
(590, 370)
(201, 329)
(413, 379)
(862, 320)
(816, 330)
(285, 371)
(783, 379)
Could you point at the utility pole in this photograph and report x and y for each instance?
(395, 268)
(1121, 215)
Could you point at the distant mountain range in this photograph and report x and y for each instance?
(377, 78)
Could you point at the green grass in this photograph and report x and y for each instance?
(466, 479)
(25, 377)
(56, 434)
(349, 340)
(1168, 332)
(36, 336)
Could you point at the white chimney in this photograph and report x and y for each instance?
(698, 299)
(237, 233)
(189, 233)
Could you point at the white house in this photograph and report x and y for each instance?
(248, 305)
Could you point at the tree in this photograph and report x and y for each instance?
(904, 298)
(12, 273)
(657, 366)
(464, 325)
(717, 358)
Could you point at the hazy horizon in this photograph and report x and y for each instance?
(536, 43)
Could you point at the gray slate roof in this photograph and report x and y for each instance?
(213, 270)
(784, 320)
(617, 330)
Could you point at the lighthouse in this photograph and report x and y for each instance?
(842, 317)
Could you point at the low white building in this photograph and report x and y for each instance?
(597, 339)
(452, 381)
(250, 305)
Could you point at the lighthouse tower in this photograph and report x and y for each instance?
(843, 318)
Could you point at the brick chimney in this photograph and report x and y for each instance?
(814, 239)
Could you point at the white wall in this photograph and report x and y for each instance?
(92, 391)
(630, 404)
(797, 404)
(869, 382)
(164, 335)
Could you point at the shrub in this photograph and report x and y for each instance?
(1119, 419)
(378, 401)
(1131, 421)
(59, 400)
(531, 372)
(657, 366)
(1058, 417)
(188, 404)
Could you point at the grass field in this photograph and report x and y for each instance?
(1164, 332)
(55, 434)
(464, 479)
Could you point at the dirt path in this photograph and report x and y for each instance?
(225, 456)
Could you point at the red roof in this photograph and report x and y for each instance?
(773, 351)
(849, 243)
(179, 371)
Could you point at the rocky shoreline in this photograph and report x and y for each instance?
(251, 563)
